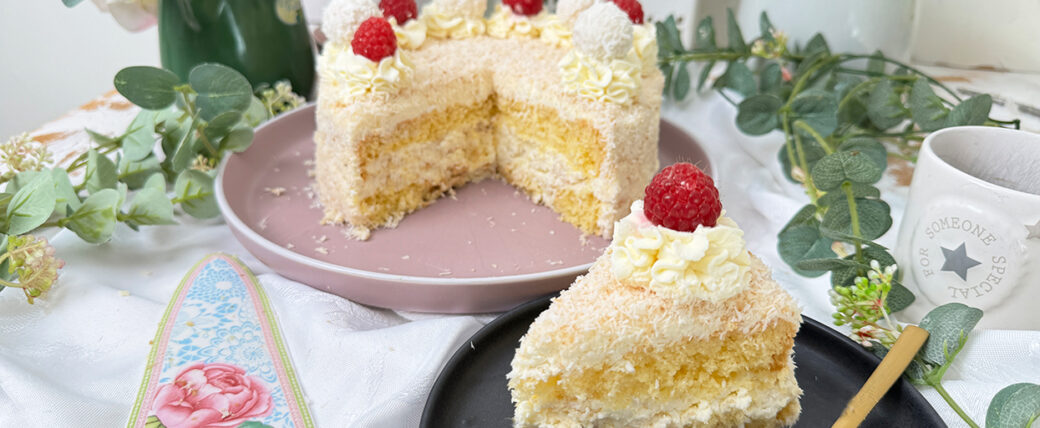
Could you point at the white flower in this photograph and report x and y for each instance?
(133, 15)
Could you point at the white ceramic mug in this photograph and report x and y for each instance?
(971, 230)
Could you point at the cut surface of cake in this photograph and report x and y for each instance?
(571, 121)
(670, 328)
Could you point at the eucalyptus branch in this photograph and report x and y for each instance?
(842, 116)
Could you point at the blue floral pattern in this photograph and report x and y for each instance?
(218, 323)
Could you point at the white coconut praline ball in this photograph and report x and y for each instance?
(342, 17)
(568, 10)
(603, 31)
(464, 8)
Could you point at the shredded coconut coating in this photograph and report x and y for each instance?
(569, 335)
(342, 17)
(603, 32)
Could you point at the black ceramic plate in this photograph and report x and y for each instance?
(471, 390)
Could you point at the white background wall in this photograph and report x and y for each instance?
(53, 59)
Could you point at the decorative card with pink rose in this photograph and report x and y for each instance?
(218, 359)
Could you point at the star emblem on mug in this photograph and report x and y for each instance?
(958, 262)
(1034, 231)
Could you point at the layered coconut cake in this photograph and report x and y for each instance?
(564, 106)
(675, 325)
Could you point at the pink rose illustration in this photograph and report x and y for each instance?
(211, 395)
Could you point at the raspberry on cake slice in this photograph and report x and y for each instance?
(682, 197)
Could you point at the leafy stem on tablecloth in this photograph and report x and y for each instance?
(194, 124)
(842, 117)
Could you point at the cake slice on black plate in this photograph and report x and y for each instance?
(675, 325)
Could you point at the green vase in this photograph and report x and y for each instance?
(265, 40)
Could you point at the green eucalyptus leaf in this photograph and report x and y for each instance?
(150, 206)
(817, 44)
(874, 218)
(71, 3)
(947, 326)
(140, 140)
(95, 220)
(771, 78)
(705, 71)
(667, 69)
(972, 111)
(185, 151)
(102, 139)
(829, 264)
(65, 194)
(134, 173)
(220, 88)
(221, 125)
(757, 114)
(899, 297)
(238, 140)
(705, 36)
(156, 181)
(257, 113)
(194, 191)
(150, 88)
(1015, 406)
(844, 277)
(800, 240)
(818, 108)
(681, 82)
(31, 205)
(766, 27)
(867, 146)
(926, 108)
(828, 173)
(811, 149)
(668, 39)
(733, 34)
(20, 180)
(859, 190)
(101, 172)
(884, 106)
(739, 78)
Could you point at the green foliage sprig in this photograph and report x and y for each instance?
(842, 117)
(182, 132)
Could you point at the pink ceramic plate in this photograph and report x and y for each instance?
(487, 249)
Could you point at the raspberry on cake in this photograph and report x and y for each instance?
(632, 8)
(669, 328)
(462, 98)
(524, 7)
(401, 10)
(374, 39)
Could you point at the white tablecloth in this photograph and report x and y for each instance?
(76, 358)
